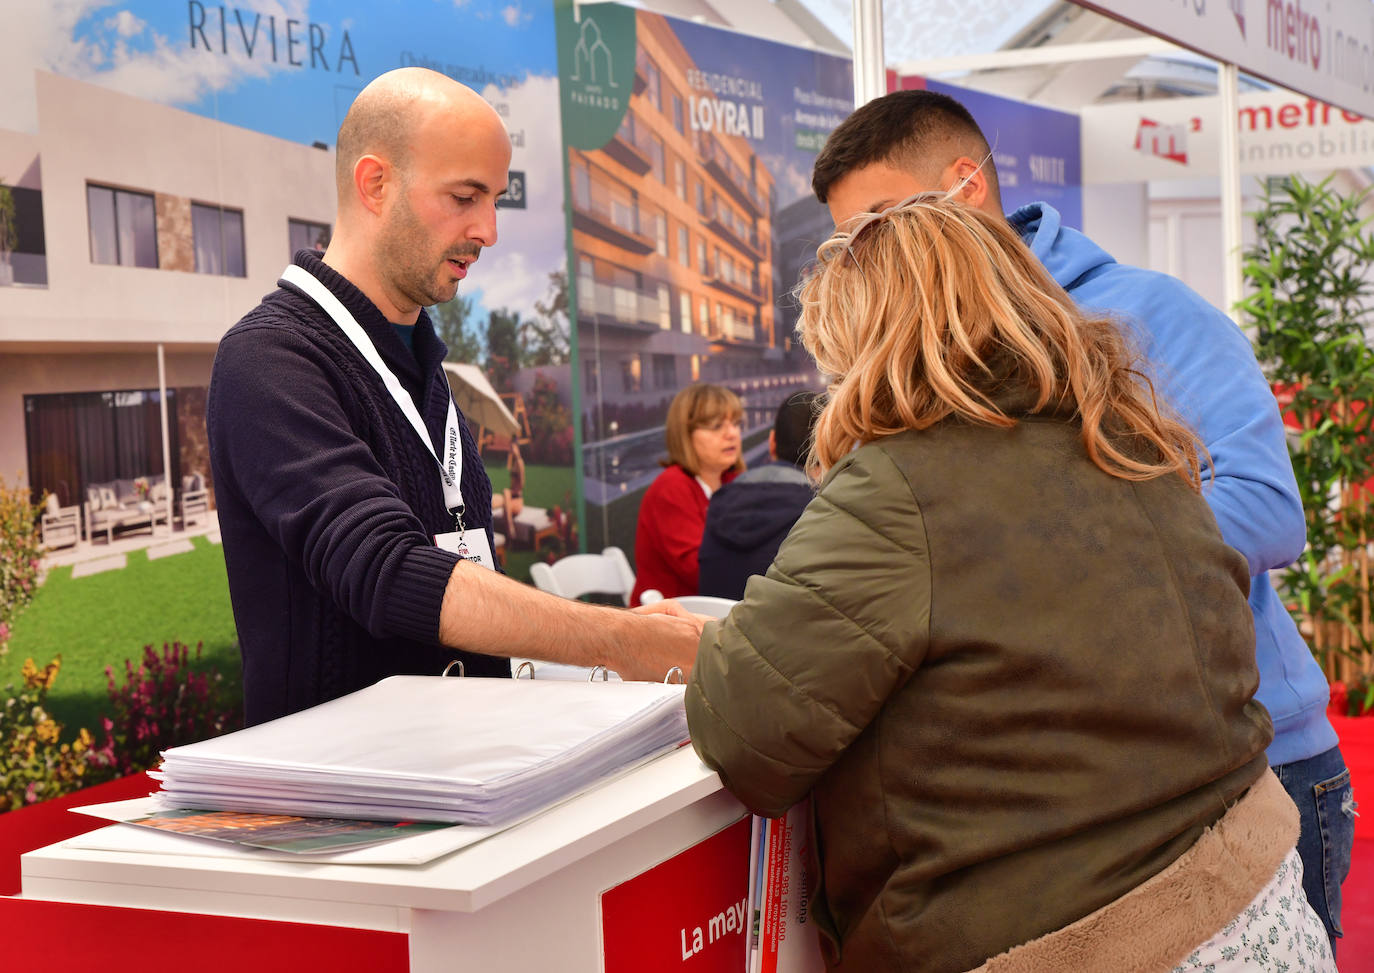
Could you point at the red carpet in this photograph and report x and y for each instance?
(1355, 953)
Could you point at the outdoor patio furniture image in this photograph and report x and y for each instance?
(487, 411)
(139, 502)
(194, 501)
(530, 527)
(61, 526)
(607, 573)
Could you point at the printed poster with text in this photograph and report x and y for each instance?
(289, 70)
(689, 155)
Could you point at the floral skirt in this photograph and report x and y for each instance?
(1277, 931)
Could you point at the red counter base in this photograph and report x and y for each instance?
(59, 937)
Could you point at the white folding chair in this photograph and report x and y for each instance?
(706, 605)
(607, 573)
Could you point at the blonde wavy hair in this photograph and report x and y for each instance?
(934, 310)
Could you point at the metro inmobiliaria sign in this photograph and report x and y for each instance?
(1322, 48)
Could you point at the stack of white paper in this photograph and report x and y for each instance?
(425, 748)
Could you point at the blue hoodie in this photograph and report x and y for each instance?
(1205, 366)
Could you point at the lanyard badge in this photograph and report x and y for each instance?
(475, 548)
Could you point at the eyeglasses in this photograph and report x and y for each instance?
(844, 239)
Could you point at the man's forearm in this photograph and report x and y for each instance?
(489, 613)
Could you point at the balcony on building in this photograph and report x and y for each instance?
(631, 146)
(723, 221)
(611, 305)
(606, 216)
(742, 330)
(731, 177)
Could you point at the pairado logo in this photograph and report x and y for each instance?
(594, 67)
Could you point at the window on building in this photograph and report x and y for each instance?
(304, 235)
(704, 317)
(586, 285)
(701, 198)
(665, 372)
(582, 187)
(702, 266)
(218, 236)
(631, 375)
(625, 294)
(665, 309)
(660, 233)
(591, 377)
(684, 248)
(652, 81)
(656, 158)
(680, 178)
(677, 115)
(123, 227)
(684, 312)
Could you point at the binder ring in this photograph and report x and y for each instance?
(527, 664)
(455, 662)
(605, 674)
(668, 677)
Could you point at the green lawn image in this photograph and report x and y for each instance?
(106, 618)
(103, 619)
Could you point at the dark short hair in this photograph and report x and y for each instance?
(906, 129)
(793, 426)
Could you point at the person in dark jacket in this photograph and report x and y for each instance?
(748, 518)
(353, 552)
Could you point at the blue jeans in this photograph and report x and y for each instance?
(1320, 787)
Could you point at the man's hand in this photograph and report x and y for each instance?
(665, 635)
(670, 607)
(487, 612)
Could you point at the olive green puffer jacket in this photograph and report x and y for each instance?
(1016, 688)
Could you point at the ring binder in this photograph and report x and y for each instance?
(668, 676)
(459, 664)
(605, 674)
(527, 664)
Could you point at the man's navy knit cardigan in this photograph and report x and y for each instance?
(328, 500)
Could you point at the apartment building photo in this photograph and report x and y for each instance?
(673, 251)
(144, 233)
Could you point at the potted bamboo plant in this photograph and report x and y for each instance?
(1310, 302)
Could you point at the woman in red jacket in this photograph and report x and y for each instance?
(704, 452)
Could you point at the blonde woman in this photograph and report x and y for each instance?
(704, 452)
(1005, 651)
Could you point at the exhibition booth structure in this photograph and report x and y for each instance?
(685, 154)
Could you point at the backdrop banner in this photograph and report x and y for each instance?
(1178, 138)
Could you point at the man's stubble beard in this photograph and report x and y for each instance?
(414, 272)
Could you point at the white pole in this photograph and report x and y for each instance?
(166, 437)
(1227, 87)
(870, 71)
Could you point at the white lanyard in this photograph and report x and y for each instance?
(451, 467)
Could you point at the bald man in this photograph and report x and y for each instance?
(353, 504)
(917, 141)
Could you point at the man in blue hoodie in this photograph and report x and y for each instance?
(914, 141)
(749, 517)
